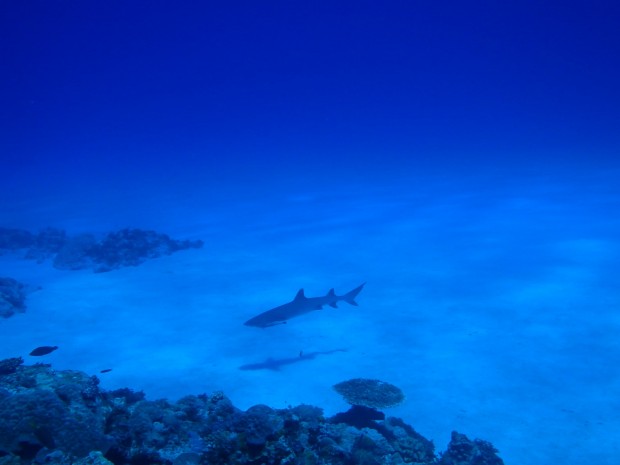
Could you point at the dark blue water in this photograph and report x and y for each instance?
(461, 159)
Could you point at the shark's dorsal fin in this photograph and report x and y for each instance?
(332, 294)
(300, 295)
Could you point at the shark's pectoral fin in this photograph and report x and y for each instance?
(333, 304)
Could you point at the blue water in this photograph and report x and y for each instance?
(463, 160)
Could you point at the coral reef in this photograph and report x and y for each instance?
(76, 253)
(9, 365)
(462, 451)
(368, 395)
(63, 417)
(44, 410)
(127, 247)
(13, 296)
(131, 247)
(371, 393)
(15, 239)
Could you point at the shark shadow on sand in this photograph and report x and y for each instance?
(276, 363)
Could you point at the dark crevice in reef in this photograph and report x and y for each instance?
(63, 417)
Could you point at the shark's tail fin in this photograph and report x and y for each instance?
(350, 296)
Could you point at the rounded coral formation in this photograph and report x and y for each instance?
(371, 393)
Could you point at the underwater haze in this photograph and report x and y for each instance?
(460, 158)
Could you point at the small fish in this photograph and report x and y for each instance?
(43, 350)
(107, 370)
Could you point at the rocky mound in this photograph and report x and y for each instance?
(13, 296)
(126, 247)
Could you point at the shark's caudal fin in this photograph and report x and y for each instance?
(350, 296)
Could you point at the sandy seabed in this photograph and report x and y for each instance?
(495, 311)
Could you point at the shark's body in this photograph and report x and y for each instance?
(276, 363)
(300, 305)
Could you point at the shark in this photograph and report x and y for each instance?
(276, 363)
(301, 305)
